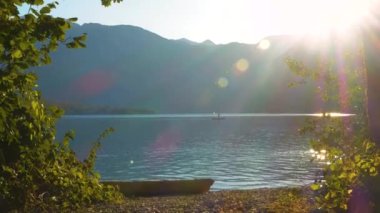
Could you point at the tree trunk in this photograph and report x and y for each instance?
(371, 41)
(372, 60)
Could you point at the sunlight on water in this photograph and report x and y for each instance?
(320, 155)
(211, 115)
(333, 114)
(241, 151)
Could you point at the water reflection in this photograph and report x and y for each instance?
(207, 115)
(240, 152)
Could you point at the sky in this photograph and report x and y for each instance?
(222, 21)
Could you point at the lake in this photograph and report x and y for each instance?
(241, 151)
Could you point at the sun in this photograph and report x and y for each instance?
(339, 16)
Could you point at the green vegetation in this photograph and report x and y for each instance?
(36, 171)
(83, 109)
(41, 174)
(341, 143)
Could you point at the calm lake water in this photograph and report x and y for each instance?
(241, 151)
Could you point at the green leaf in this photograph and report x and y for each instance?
(351, 176)
(372, 170)
(24, 45)
(357, 158)
(74, 19)
(45, 10)
(333, 167)
(34, 105)
(16, 54)
(34, 12)
(52, 5)
(38, 2)
(327, 196)
(315, 186)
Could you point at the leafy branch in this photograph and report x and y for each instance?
(342, 144)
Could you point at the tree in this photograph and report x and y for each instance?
(36, 171)
(353, 153)
(371, 42)
(371, 39)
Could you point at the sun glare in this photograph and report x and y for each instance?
(333, 114)
(337, 16)
(263, 44)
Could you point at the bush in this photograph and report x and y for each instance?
(341, 144)
(36, 171)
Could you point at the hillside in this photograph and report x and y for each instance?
(126, 66)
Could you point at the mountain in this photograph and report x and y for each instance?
(187, 41)
(208, 42)
(127, 66)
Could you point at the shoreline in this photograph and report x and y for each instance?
(284, 199)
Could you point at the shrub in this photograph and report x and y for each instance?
(341, 144)
(36, 171)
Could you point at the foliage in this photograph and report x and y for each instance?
(38, 172)
(80, 109)
(341, 144)
(108, 2)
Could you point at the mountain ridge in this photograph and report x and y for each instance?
(127, 66)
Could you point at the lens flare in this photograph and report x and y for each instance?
(93, 83)
(242, 65)
(166, 143)
(264, 44)
(222, 82)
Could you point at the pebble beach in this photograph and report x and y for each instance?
(256, 200)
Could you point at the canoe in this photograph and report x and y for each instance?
(162, 187)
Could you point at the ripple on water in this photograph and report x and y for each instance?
(238, 153)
